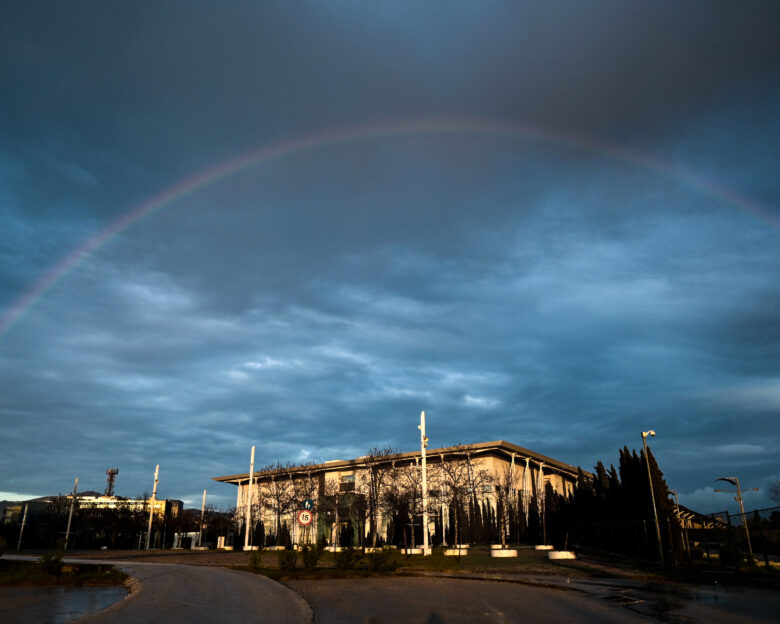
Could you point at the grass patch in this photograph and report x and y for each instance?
(36, 573)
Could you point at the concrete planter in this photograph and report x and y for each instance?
(200, 548)
(227, 548)
(333, 548)
(504, 552)
(544, 547)
(455, 552)
(274, 548)
(561, 554)
(411, 551)
(252, 548)
(497, 547)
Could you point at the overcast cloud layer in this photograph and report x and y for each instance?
(546, 289)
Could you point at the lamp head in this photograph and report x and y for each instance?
(648, 433)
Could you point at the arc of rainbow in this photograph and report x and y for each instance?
(351, 134)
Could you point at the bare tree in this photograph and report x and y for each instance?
(774, 491)
(379, 468)
(278, 493)
(305, 487)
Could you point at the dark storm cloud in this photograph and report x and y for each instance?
(534, 290)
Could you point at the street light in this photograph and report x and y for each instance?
(423, 446)
(652, 494)
(735, 481)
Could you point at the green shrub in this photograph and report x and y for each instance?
(697, 553)
(287, 560)
(384, 560)
(347, 559)
(731, 556)
(2, 545)
(51, 563)
(255, 561)
(311, 555)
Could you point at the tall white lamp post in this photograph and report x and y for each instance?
(249, 499)
(423, 446)
(151, 506)
(70, 513)
(652, 495)
(202, 517)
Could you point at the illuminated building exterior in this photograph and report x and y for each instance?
(499, 475)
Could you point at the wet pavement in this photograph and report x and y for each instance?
(54, 605)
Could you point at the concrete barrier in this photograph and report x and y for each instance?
(504, 552)
(561, 554)
(411, 551)
(456, 552)
(544, 547)
(275, 548)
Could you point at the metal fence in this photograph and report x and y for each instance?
(755, 532)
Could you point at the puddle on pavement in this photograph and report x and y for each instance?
(56, 605)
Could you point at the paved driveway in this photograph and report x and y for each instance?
(181, 594)
(438, 600)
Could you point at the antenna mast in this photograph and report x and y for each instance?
(111, 474)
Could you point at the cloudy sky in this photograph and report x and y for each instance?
(296, 225)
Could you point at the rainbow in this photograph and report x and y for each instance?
(358, 133)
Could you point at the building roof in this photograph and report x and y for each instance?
(497, 447)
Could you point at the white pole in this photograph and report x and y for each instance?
(21, 530)
(70, 513)
(202, 515)
(423, 446)
(151, 506)
(249, 499)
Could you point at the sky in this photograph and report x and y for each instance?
(297, 225)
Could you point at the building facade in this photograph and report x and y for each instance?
(377, 498)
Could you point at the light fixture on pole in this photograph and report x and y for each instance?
(423, 446)
(652, 494)
(735, 482)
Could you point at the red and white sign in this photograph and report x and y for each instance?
(305, 517)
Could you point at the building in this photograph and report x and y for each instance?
(163, 508)
(364, 496)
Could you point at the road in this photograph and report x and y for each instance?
(405, 600)
(181, 594)
(440, 600)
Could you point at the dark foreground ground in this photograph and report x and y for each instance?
(430, 591)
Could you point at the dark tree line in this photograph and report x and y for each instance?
(613, 510)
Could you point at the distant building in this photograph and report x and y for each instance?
(487, 472)
(12, 513)
(163, 508)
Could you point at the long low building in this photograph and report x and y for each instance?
(364, 495)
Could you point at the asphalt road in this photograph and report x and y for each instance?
(170, 594)
(180, 594)
(439, 601)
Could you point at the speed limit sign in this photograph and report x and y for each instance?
(305, 517)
